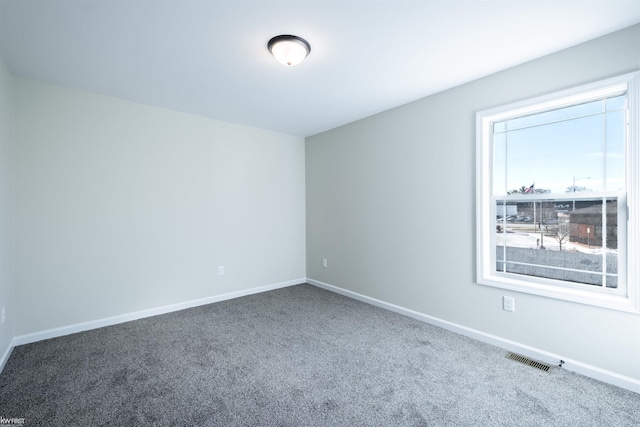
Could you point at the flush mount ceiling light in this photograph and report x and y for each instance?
(289, 50)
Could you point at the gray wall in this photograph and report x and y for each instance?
(375, 189)
(123, 207)
(7, 206)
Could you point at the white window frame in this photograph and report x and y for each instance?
(629, 298)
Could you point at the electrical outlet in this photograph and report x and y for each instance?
(324, 263)
(508, 304)
(221, 270)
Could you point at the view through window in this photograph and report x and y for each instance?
(570, 150)
(554, 191)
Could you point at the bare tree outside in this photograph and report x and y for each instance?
(520, 190)
(523, 190)
(576, 189)
(561, 232)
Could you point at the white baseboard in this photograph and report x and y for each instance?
(94, 324)
(603, 375)
(5, 356)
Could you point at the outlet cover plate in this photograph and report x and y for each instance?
(508, 303)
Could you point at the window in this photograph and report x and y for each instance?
(558, 195)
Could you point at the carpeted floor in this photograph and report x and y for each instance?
(299, 356)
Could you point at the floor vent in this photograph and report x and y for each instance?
(527, 361)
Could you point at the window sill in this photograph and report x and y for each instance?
(603, 298)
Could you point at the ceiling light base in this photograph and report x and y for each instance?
(289, 50)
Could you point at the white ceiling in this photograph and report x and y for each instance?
(210, 58)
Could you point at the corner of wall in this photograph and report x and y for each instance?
(7, 213)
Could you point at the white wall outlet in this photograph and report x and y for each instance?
(221, 270)
(4, 314)
(508, 304)
(324, 263)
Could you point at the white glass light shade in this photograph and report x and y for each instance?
(289, 50)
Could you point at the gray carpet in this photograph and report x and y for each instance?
(298, 356)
